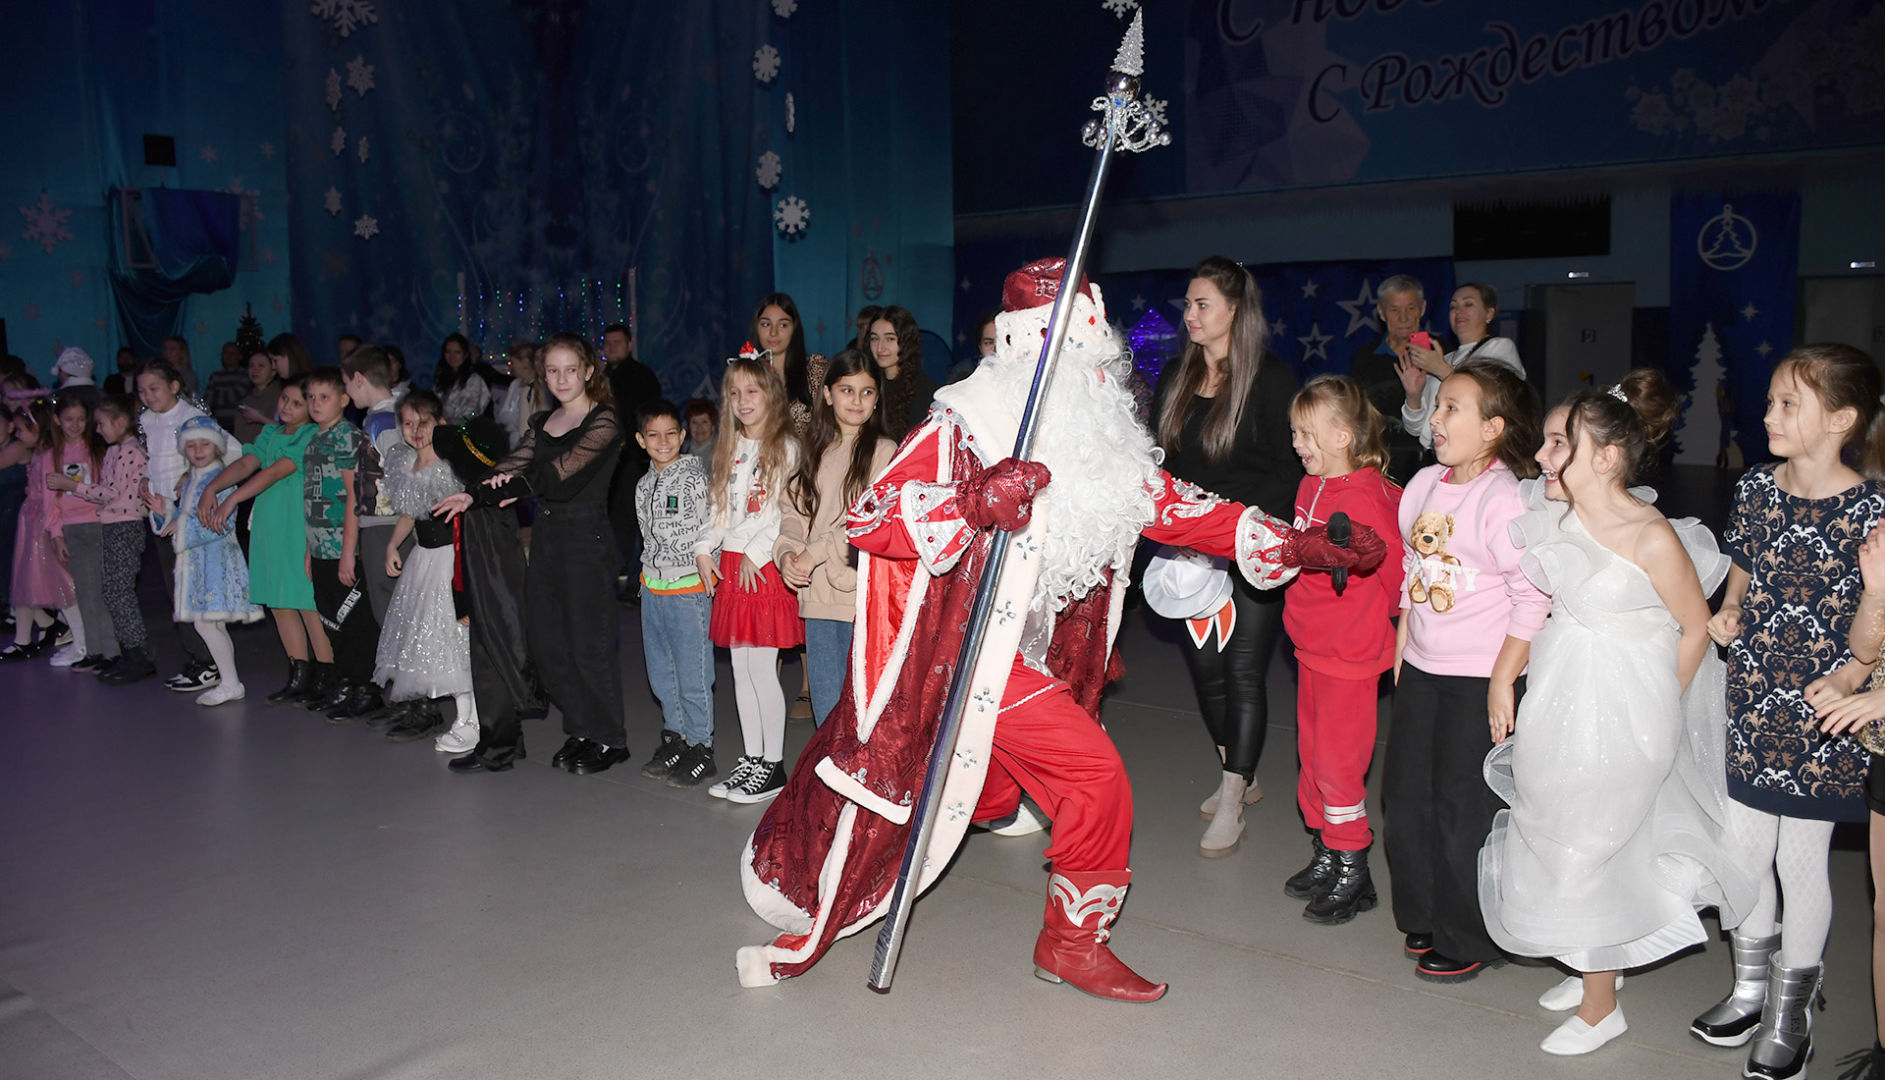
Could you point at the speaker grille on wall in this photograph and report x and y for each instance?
(1531, 230)
(160, 150)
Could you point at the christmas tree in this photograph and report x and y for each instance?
(249, 336)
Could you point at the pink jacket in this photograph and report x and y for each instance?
(118, 494)
(1465, 593)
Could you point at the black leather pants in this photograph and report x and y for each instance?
(1233, 685)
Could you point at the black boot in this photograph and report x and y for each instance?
(361, 700)
(421, 720)
(299, 672)
(331, 695)
(1348, 891)
(133, 665)
(1303, 883)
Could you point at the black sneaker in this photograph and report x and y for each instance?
(665, 756)
(762, 784)
(1434, 967)
(92, 664)
(695, 768)
(200, 675)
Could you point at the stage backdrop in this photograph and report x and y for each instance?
(525, 166)
(1301, 93)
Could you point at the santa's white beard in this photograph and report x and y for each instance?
(1104, 465)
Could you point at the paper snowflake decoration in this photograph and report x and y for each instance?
(366, 227)
(45, 224)
(769, 170)
(784, 8)
(345, 16)
(791, 114)
(1120, 8)
(360, 148)
(251, 200)
(792, 215)
(1155, 108)
(333, 89)
(360, 75)
(208, 154)
(337, 142)
(765, 63)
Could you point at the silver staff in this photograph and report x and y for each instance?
(1126, 123)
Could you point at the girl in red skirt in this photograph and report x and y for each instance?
(754, 613)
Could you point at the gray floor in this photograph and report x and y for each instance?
(250, 893)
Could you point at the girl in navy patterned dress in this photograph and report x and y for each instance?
(1794, 536)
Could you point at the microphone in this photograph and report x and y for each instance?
(1339, 532)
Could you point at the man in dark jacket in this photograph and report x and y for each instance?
(635, 384)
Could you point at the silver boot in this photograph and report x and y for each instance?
(1784, 1043)
(1731, 1021)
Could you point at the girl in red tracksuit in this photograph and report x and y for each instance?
(1344, 641)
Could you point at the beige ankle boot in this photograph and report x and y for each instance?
(1253, 792)
(1226, 830)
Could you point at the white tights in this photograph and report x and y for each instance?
(760, 700)
(221, 650)
(25, 619)
(1795, 849)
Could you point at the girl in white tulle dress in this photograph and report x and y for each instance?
(1614, 774)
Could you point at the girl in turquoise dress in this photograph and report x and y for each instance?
(269, 471)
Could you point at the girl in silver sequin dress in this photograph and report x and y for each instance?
(425, 648)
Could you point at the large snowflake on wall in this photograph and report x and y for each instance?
(769, 170)
(337, 142)
(366, 227)
(45, 223)
(333, 89)
(784, 8)
(345, 16)
(792, 215)
(765, 63)
(1120, 8)
(360, 75)
(360, 147)
(791, 114)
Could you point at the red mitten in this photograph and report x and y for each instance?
(1002, 495)
(1311, 549)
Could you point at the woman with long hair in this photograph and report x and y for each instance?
(779, 334)
(1222, 418)
(895, 343)
(461, 382)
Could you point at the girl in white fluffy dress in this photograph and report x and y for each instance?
(212, 577)
(425, 650)
(1614, 838)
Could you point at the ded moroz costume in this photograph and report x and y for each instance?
(822, 862)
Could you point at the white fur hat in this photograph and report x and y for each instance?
(74, 363)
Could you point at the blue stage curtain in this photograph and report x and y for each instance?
(193, 235)
(538, 152)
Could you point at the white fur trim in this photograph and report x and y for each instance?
(767, 902)
(1259, 542)
(755, 962)
(848, 786)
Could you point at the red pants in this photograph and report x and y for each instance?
(1049, 747)
(1335, 731)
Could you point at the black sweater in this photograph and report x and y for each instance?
(1262, 469)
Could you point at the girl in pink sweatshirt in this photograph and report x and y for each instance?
(1468, 614)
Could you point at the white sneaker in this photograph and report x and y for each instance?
(1568, 994)
(462, 737)
(216, 695)
(68, 656)
(1574, 1036)
(1026, 821)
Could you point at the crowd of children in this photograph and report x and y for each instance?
(1571, 773)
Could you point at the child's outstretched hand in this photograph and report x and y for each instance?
(451, 506)
(1849, 712)
(750, 574)
(708, 577)
(1725, 625)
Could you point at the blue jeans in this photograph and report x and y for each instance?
(828, 660)
(680, 661)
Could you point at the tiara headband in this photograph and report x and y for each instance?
(1616, 391)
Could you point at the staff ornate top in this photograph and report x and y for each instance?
(1133, 126)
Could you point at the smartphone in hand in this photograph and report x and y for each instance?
(1421, 338)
